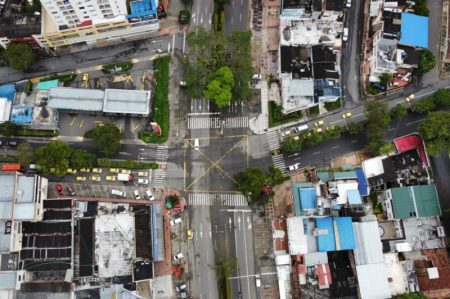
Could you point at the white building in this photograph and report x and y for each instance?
(5, 110)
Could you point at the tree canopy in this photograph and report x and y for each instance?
(399, 111)
(219, 88)
(19, 56)
(442, 97)
(106, 138)
(25, 153)
(82, 159)
(8, 129)
(424, 105)
(257, 185)
(435, 130)
(184, 17)
(378, 119)
(56, 155)
(427, 61)
(385, 78)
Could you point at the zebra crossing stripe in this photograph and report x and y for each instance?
(273, 140)
(162, 153)
(159, 178)
(278, 162)
(216, 122)
(209, 199)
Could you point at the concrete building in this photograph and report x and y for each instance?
(94, 23)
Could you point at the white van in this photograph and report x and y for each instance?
(345, 36)
(196, 144)
(119, 193)
(301, 128)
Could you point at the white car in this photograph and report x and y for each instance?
(178, 257)
(181, 287)
(149, 195)
(176, 221)
(293, 167)
(136, 195)
(349, 3)
(142, 182)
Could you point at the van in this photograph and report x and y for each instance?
(345, 36)
(118, 193)
(196, 144)
(301, 128)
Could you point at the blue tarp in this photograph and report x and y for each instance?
(362, 182)
(8, 91)
(308, 198)
(353, 197)
(414, 31)
(325, 239)
(142, 8)
(344, 234)
(46, 85)
(22, 114)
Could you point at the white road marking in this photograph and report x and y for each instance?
(316, 153)
(413, 122)
(335, 147)
(353, 141)
(201, 230)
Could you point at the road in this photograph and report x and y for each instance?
(202, 14)
(236, 15)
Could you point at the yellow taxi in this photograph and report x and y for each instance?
(71, 171)
(125, 171)
(114, 170)
(347, 115)
(319, 130)
(318, 123)
(110, 178)
(97, 170)
(189, 234)
(95, 178)
(142, 173)
(81, 178)
(85, 170)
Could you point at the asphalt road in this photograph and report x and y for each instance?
(236, 15)
(202, 14)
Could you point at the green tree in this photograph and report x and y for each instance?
(442, 97)
(55, 154)
(385, 78)
(106, 138)
(225, 267)
(424, 105)
(82, 159)
(19, 56)
(427, 61)
(25, 153)
(378, 119)
(399, 111)
(8, 129)
(355, 128)
(219, 89)
(435, 130)
(420, 8)
(184, 17)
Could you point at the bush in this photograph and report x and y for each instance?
(424, 105)
(420, 8)
(65, 78)
(427, 61)
(442, 97)
(314, 111)
(330, 106)
(355, 128)
(370, 89)
(276, 116)
(161, 102)
(36, 133)
(129, 164)
(28, 87)
(184, 17)
(117, 67)
(310, 138)
(399, 111)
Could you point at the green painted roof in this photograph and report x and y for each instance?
(415, 201)
(323, 176)
(296, 194)
(341, 175)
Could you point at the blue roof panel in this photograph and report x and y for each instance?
(353, 197)
(325, 239)
(308, 198)
(8, 91)
(362, 182)
(414, 31)
(345, 236)
(142, 8)
(46, 85)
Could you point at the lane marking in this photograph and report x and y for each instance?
(353, 141)
(316, 153)
(335, 147)
(413, 122)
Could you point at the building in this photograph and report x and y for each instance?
(97, 22)
(5, 110)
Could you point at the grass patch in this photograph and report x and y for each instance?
(330, 106)
(370, 89)
(129, 164)
(314, 111)
(117, 67)
(276, 116)
(36, 133)
(62, 78)
(161, 102)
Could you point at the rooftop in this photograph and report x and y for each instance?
(296, 60)
(297, 93)
(415, 201)
(372, 280)
(414, 31)
(8, 91)
(438, 258)
(396, 274)
(76, 99)
(368, 243)
(392, 24)
(127, 101)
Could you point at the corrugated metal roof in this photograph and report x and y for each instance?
(362, 182)
(344, 235)
(325, 239)
(415, 201)
(368, 243)
(414, 30)
(342, 175)
(75, 99)
(296, 233)
(354, 198)
(373, 281)
(308, 198)
(127, 101)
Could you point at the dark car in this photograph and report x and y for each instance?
(11, 142)
(71, 191)
(60, 190)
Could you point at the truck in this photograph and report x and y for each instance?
(12, 167)
(124, 177)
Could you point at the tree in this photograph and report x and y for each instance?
(427, 61)
(420, 8)
(442, 97)
(56, 155)
(184, 17)
(219, 88)
(378, 119)
(424, 105)
(82, 159)
(225, 267)
(25, 153)
(435, 130)
(385, 78)
(8, 129)
(106, 138)
(355, 128)
(399, 111)
(19, 56)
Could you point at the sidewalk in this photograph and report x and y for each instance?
(260, 123)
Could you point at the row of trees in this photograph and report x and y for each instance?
(220, 66)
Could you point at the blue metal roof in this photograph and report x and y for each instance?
(8, 91)
(308, 198)
(142, 8)
(325, 239)
(362, 182)
(296, 194)
(353, 197)
(21, 114)
(414, 31)
(345, 236)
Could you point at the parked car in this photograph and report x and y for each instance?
(301, 128)
(149, 195)
(175, 221)
(142, 173)
(12, 143)
(110, 178)
(189, 234)
(125, 171)
(318, 123)
(293, 167)
(81, 178)
(70, 191)
(71, 171)
(97, 170)
(349, 3)
(345, 35)
(95, 178)
(85, 170)
(59, 189)
(142, 182)
(181, 287)
(347, 115)
(286, 133)
(410, 97)
(178, 256)
(114, 170)
(319, 130)
(136, 194)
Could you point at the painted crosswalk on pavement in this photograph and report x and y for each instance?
(278, 162)
(162, 154)
(216, 122)
(159, 178)
(224, 199)
(273, 140)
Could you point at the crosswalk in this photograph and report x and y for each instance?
(273, 140)
(162, 154)
(216, 122)
(159, 178)
(223, 199)
(278, 162)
